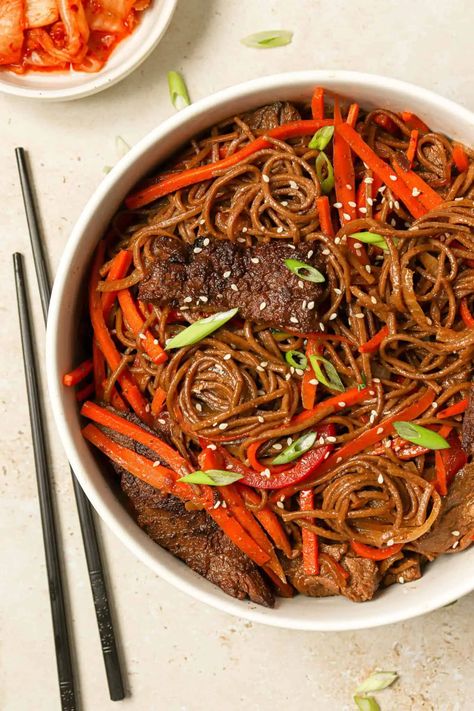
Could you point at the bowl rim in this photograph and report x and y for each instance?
(133, 537)
(101, 80)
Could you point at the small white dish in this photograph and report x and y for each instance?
(444, 580)
(128, 55)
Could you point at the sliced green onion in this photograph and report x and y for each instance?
(366, 703)
(371, 238)
(325, 172)
(420, 435)
(121, 146)
(363, 384)
(268, 39)
(200, 329)
(304, 271)
(377, 681)
(331, 378)
(295, 450)
(178, 91)
(212, 477)
(321, 138)
(297, 359)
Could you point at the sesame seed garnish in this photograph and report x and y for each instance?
(337, 205)
(223, 426)
(321, 326)
(455, 533)
(156, 342)
(227, 356)
(327, 455)
(390, 542)
(244, 229)
(435, 405)
(162, 421)
(376, 380)
(338, 460)
(277, 446)
(310, 254)
(313, 381)
(284, 203)
(333, 316)
(196, 250)
(293, 184)
(234, 287)
(368, 268)
(304, 303)
(280, 504)
(455, 544)
(330, 438)
(157, 463)
(363, 210)
(401, 579)
(348, 186)
(226, 275)
(198, 407)
(357, 245)
(288, 376)
(265, 472)
(396, 204)
(261, 419)
(187, 299)
(373, 299)
(337, 240)
(263, 305)
(298, 371)
(291, 246)
(293, 319)
(393, 177)
(351, 203)
(259, 368)
(217, 504)
(255, 260)
(370, 201)
(415, 192)
(280, 230)
(380, 478)
(212, 446)
(346, 216)
(382, 188)
(202, 221)
(265, 178)
(204, 299)
(224, 504)
(379, 430)
(390, 204)
(300, 284)
(368, 180)
(341, 404)
(310, 305)
(205, 241)
(359, 315)
(142, 336)
(393, 222)
(321, 440)
(337, 291)
(326, 252)
(371, 392)
(289, 441)
(292, 370)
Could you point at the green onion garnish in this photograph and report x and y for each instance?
(304, 271)
(297, 359)
(366, 703)
(325, 172)
(200, 329)
(377, 681)
(295, 450)
(331, 377)
(321, 138)
(370, 238)
(363, 384)
(212, 477)
(420, 435)
(268, 39)
(178, 91)
(121, 146)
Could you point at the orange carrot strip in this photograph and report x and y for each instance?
(343, 171)
(117, 401)
(413, 121)
(381, 169)
(85, 392)
(99, 369)
(428, 197)
(237, 534)
(308, 387)
(183, 179)
(353, 115)
(375, 553)
(268, 519)
(324, 210)
(373, 343)
(106, 344)
(118, 270)
(309, 538)
(457, 409)
(159, 399)
(460, 158)
(317, 103)
(136, 323)
(412, 145)
(78, 374)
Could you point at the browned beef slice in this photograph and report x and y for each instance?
(468, 426)
(191, 536)
(216, 275)
(395, 574)
(362, 584)
(456, 515)
(271, 115)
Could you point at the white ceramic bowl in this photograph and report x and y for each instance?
(446, 579)
(130, 53)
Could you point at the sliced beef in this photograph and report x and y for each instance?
(216, 275)
(455, 523)
(405, 570)
(271, 115)
(362, 584)
(191, 536)
(468, 426)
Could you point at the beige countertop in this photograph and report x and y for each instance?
(178, 654)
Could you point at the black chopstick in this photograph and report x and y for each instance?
(50, 539)
(88, 530)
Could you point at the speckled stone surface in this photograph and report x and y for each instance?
(178, 654)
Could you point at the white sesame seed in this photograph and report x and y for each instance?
(300, 284)
(288, 376)
(359, 315)
(265, 472)
(390, 204)
(142, 336)
(277, 446)
(291, 246)
(338, 460)
(280, 230)
(455, 544)
(310, 254)
(211, 446)
(393, 177)
(255, 260)
(337, 240)
(205, 241)
(337, 291)
(357, 245)
(289, 441)
(280, 504)
(415, 192)
(227, 356)
(293, 185)
(224, 504)
(226, 275)
(390, 542)
(229, 467)
(435, 405)
(223, 426)
(261, 419)
(393, 222)
(321, 440)
(380, 430)
(351, 203)
(373, 299)
(382, 188)
(333, 316)
(298, 371)
(202, 221)
(196, 250)
(313, 381)
(341, 404)
(263, 305)
(326, 252)
(310, 305)
(234, 287)
(162, 421)
(348, 186)
(338, 205)
(331, 439)
(327, 455)
(198, 407)
(284, 203)
(370, 201)
(363, 210)
(304, 303)
(244, 229)
(155, 342)
(292, 370)
(204, 299)
(371, 392)
(368, 268)
(293, 319)
(368, 180)
(380, 478)
(157, 463)
(265, 178)
(455, 533)
(346, 216)
(259, 368)
(217, 504)
(401, 579)
(376, 380)
(396, 204)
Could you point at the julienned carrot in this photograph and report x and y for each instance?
(324, 211)
(105, 417)
(183, 179)
(461, 161)
(381, 169)
(104, 341)
(308, 381)
(269, 520)
(164, 479)
(85, 392)
(414, 121)
(78, 374)
(332, 404)
(317, 103)
(428, 197)
(353, 115)
(132, 315)
(412, 145)
(465, 313)
(159, 399)
(343, 172)
(283, 589)
(117, 401)
(375, 553)
(309, 538)
(118, 270)
(457, 409)
(99, 369)
(373, 344)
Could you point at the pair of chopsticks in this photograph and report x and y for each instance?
(45, 496)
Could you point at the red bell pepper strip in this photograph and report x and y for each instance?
(465, 313)
(135, 321)
(448, 461)
(461, 161)
(309, 538)
(183, 179)
(317, 103)
(251, 453)
(403, 449)
(414, 121)
(373, 344)
(324, 211)
(380, 168)
(428, 197)
(412, 145)
(375, 553)
(457, 409)
(308, 382)
(78, 374)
